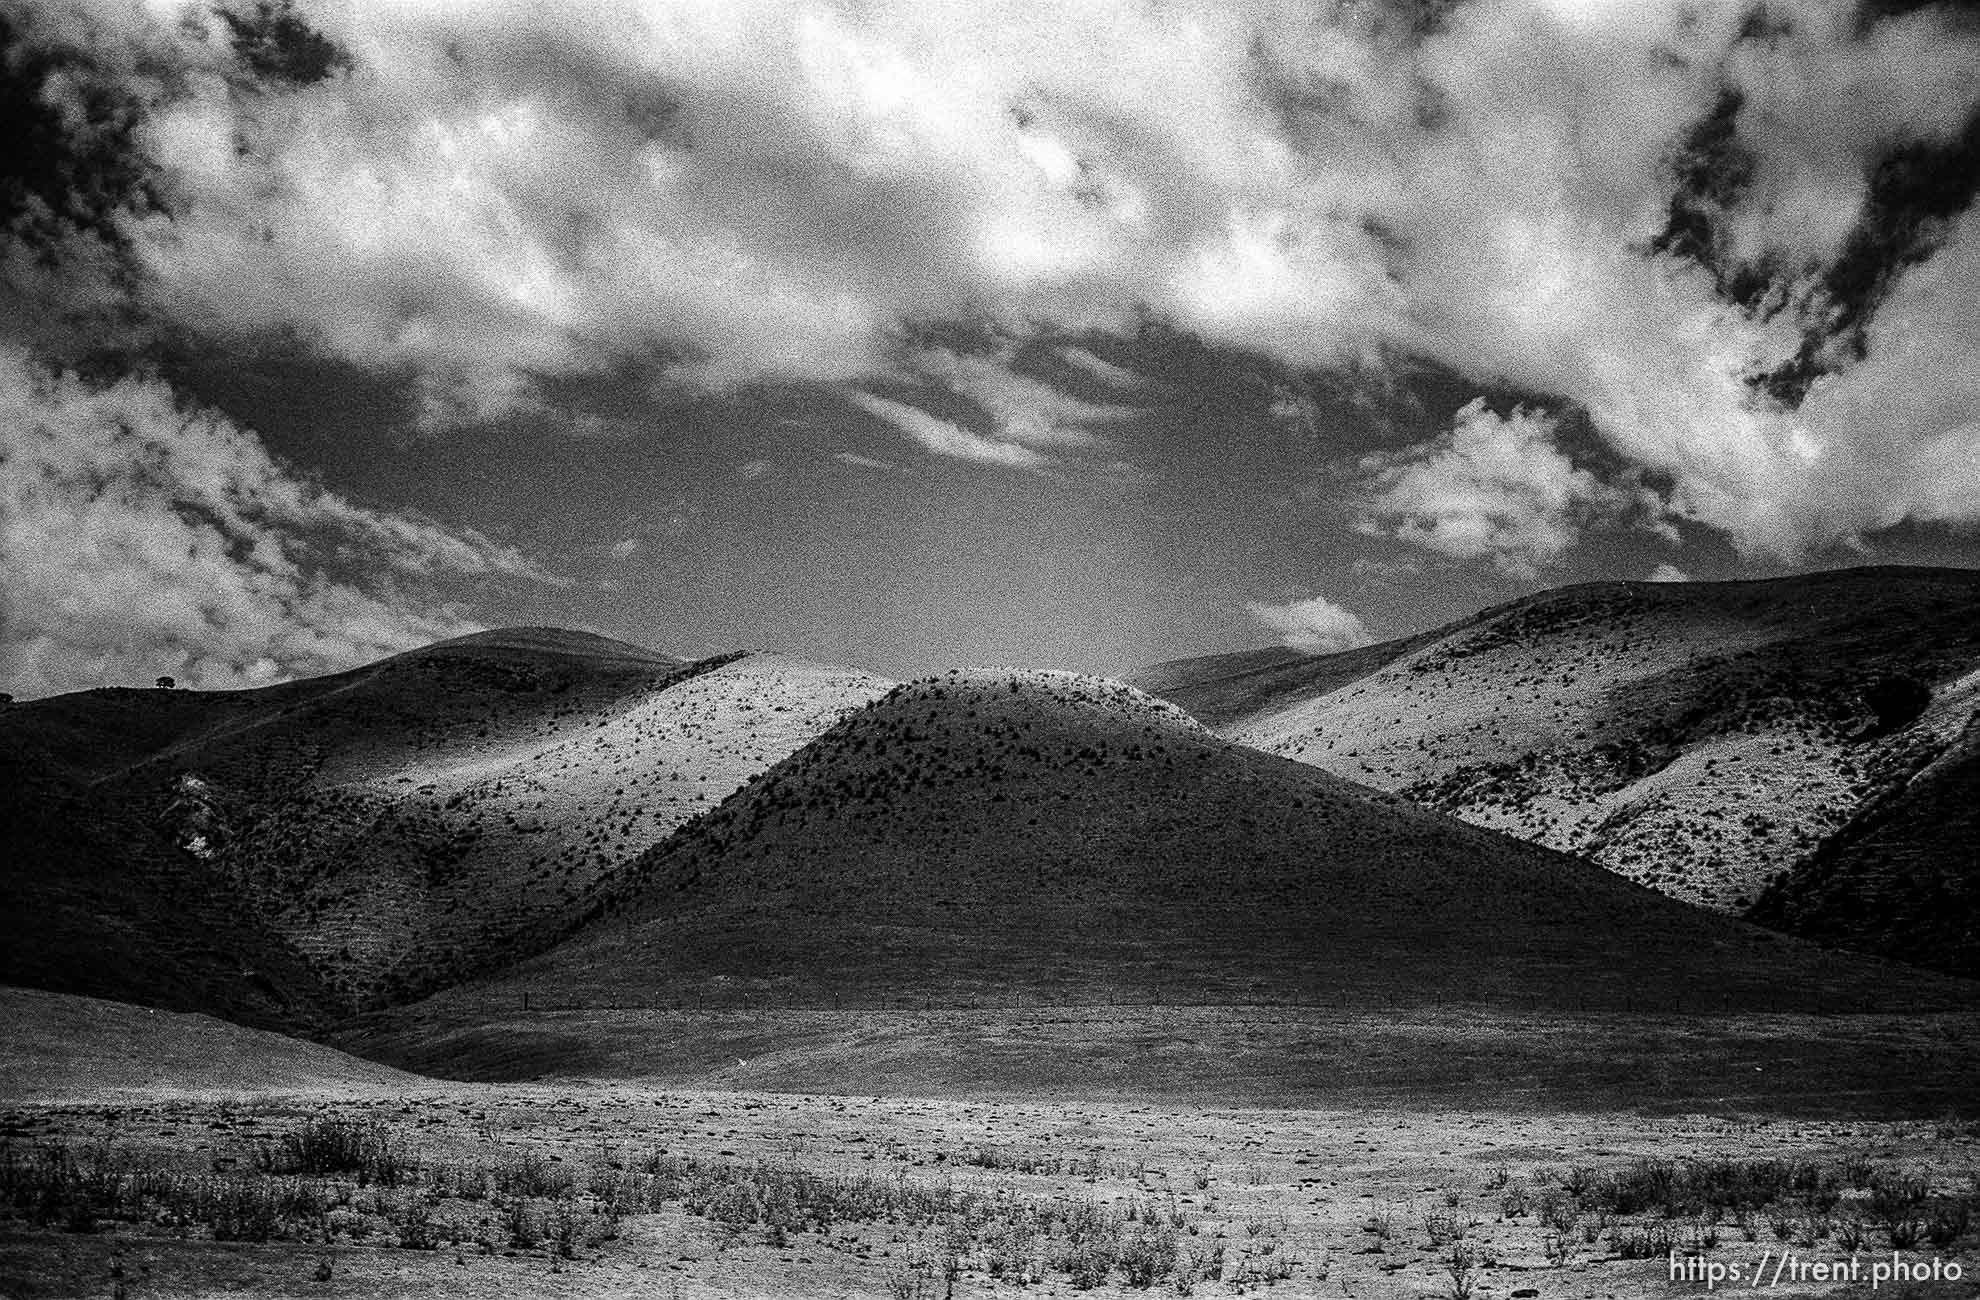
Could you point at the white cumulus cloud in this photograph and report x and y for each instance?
(1315, 624)
(500, 193)
(140, 537)
(1493, 488)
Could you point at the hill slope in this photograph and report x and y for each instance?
(1703, 738)
(59, 1047)
(1045, 837)
(368, 836)
(1222, 689)
(1904, 877)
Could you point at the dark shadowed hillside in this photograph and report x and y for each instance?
(95, 897)
(1904, 878)
(1703, 738)
(289, 854)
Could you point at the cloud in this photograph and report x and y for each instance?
(139, 537)
(1316, 625)
(1295, 411)
(1025, 410)
(496, 194)
(1493, 488)
(944, 438)
(1897, 435)
(863, 462)
(1668, 573)
(1116, 377)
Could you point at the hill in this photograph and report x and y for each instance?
(1222, 689)
(63, 1048)
(1703, 738)
(997, 837)
(287, 855)
(1903, 877)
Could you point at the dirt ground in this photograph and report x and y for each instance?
(1285, 1202)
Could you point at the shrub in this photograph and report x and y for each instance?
(1444, 1228)
(1948, 1221)
(243, 1210)
(1641, 1243)
(529, 1173)
(332, 1144)
(524, 1227)
(1691, 1188)
(417, 1230)
(1898, 1201)
(1145, 1255)
(1461, 1267)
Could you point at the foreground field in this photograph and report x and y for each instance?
(595, 1189)
(1462, 1153)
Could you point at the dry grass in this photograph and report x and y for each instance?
(609, 1190)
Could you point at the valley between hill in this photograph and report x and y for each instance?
(751, 976)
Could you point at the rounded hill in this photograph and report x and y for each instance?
(1705, 739)
(287, 855)
(994, 835)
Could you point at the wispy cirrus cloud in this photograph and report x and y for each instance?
(944, 437)
(855, 459)
(1024, 409)
(1115, 377)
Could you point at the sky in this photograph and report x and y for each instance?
(912, 334)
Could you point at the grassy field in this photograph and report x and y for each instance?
(1466, 1153)
(591, 1188)
(1788, 1065)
